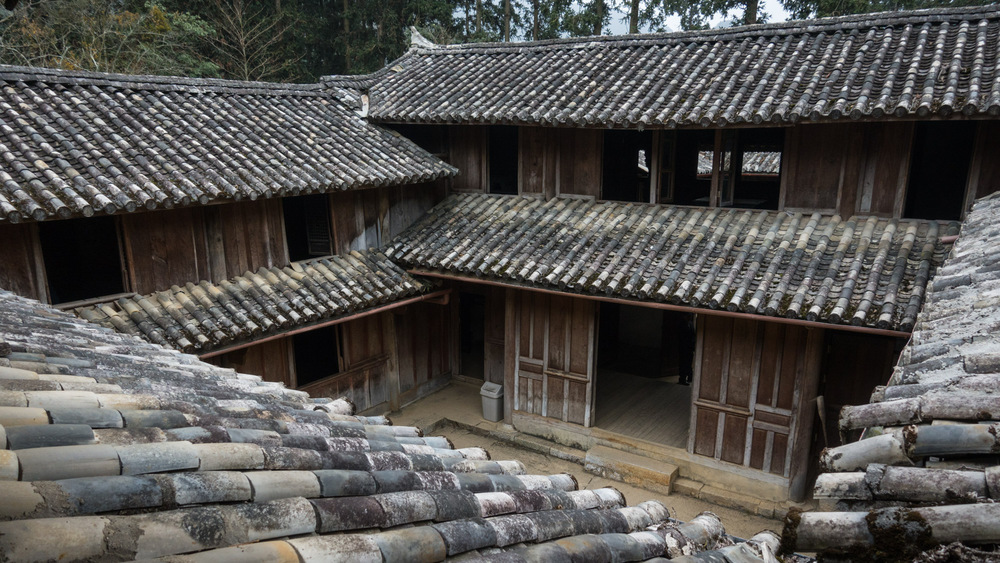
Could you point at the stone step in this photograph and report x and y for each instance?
(630, 468)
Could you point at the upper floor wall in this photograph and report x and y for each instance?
(83, 259)
(902, 169)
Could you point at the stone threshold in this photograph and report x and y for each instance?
(626, 467)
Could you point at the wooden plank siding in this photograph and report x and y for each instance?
(21, 268)
(423, 345)
(554, 359)
(579, 161)
(271, 360)
(537, 161)
(215, 243)
(468, 152)
(365, 219)
(755, 383)
(984, 177)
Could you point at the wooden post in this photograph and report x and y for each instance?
(392, 363)
(511, 328)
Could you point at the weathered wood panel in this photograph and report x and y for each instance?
(813, 164)
(754, 379)
(467, 151)
(580, 161)
(365, 385)
(270, 360)
(882, 186)
(21, 269)
(985, 174)
(362, 340)
(554, 359)
(357, 221)
(165, 248)
(244, 236)
(537, 160)
(407, 204)
(423, 344)
(495, 334)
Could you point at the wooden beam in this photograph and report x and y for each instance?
(666, 306)
(331, 322)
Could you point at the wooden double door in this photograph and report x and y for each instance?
(754, 393)
(554, 356)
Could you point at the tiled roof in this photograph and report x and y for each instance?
(864, 271)
(204, 316)
(754, 162)
(932, 437)
(920, 63)
(115, 449)
(77, 143)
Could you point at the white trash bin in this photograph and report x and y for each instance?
(492, 401)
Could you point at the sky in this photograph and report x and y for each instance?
(619, 25)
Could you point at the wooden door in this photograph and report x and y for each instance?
(754, 380)
(555, 347)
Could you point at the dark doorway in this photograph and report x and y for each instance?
(939, 169)
(503, 159)
(82, 258)
(692, 153)
(317, 354)
(472, 334)
(644, 367)
(307, 226)
(627, 156)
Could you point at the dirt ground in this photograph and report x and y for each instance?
(737, 523)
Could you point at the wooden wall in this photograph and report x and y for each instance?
(755, 385)
(371, 218)
(553, 345)
(244, 236)
(467, 151)
(389, 358)
(271, 360)
(21, 269)
(424, 347)
(216, 242)
(984, 177)
(537, 160)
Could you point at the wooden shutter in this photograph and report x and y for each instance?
(554, 370)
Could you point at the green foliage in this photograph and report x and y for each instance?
(301, 40)
(802, 9)
(129, 37)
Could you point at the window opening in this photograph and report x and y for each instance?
(307, 226)
(627, 162)
(82, 258)
(939, 169)
(503, 159)
(318, 354)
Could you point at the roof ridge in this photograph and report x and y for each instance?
(152, 82)
(790, 27)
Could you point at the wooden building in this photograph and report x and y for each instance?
(757, 209)
(787, 189)
(236, 221)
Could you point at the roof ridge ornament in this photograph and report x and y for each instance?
(418, 41)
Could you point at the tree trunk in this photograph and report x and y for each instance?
(751, 13)
(599, 11)
(347, 40)
(479, 16)
(633, 17)
(534, 20)
(506, 20)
